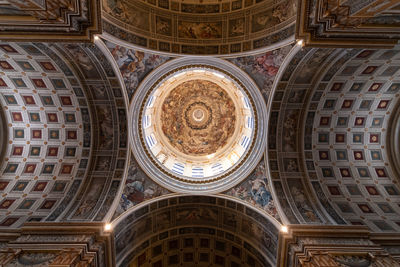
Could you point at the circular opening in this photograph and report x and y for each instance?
(194, 123)
(198, 114)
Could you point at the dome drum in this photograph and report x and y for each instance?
(198, 128)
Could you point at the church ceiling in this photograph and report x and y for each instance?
(195, 246)
(203, 28)
(138, 187)
(341, 151)
(262, 68)
(49, 20)
(134, 64)
(73, 127)
(147, 233)
(109, 145)
(48, 133)
(359, 23)
(60, 103)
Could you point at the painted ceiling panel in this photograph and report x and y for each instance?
(202, 28)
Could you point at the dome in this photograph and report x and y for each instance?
(197, 125)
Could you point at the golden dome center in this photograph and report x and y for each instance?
(198, 117)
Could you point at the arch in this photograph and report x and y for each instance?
(175, 212)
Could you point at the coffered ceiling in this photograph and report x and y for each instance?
(59, 103)
(48, 133)
(340, 151)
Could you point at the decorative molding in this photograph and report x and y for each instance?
(51, 20)
(58, 244)
(317, 246)
(338, 23)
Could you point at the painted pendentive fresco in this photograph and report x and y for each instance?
(263, 67)
(134, 64)
(199, 29)
(138, 188)
(256, 191)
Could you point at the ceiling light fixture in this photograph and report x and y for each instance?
(108, 227)
(300, 42)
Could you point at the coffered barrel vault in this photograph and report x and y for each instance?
(166, 231)
(54, 99)
(48, 133)
(340, 150)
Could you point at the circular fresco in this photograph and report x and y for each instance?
(195, 125)
(198, 117)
